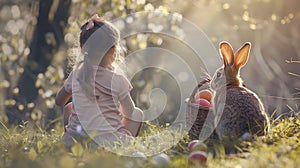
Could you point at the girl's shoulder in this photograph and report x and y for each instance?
(108, 77)
(109, 72)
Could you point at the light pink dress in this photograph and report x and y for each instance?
(98, 116)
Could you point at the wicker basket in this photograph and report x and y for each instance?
(195, 114)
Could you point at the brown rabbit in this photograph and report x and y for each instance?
(237, 109)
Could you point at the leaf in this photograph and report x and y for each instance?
(77, 150)
(4, 126)
(32, 154)
(39, 146)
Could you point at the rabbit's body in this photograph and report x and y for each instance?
(243, 112)
(237, 109)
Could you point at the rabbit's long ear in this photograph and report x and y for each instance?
(226, 53)
(241, 56)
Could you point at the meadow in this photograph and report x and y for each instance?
(27, 145)
(38, 47)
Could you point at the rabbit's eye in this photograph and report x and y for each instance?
(218, 74)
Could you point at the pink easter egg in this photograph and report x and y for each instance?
(197, 157)
(203, 102)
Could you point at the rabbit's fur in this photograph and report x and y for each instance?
(237, 109)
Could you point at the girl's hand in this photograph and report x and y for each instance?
(62, 97)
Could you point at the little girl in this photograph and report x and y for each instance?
(101, 103)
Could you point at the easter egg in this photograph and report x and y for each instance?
(203, 102)
(247, 137)
(197, 157)
(139, 155)
(204, 94)
(197, 145)
(200, 147)
(161, 160)
(192, 144)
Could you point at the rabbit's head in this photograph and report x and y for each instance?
(229, 73)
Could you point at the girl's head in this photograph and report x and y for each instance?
(99, 41)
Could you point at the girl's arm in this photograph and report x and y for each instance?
(62, 97)
(127, 106)
(65, 92)
(133, 116)
(129, 110)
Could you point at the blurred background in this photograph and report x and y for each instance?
(39, 39)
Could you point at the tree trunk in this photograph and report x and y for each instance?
(48, 37)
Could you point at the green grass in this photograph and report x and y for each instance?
(31, 146)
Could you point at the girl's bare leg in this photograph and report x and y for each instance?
(67, 112)
(134, 126)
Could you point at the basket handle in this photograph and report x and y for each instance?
(197, 87)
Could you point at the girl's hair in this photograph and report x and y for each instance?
(95, 43)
